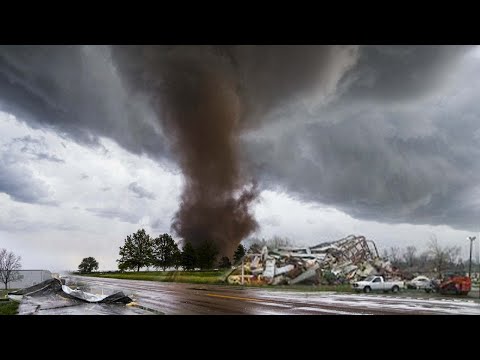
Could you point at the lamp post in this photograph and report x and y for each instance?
(471, 238)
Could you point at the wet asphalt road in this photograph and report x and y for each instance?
(199, 299)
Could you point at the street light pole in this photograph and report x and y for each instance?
(471, 238)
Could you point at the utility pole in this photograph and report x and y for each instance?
(471, 238)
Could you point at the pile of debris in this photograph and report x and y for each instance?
(343, 261)
(57, 286)
(53, 297)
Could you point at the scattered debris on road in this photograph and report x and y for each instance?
(54, 297)
(57, 286)
(343, 261)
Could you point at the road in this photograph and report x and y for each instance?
(176, 298)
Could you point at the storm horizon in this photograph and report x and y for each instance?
(226, 143)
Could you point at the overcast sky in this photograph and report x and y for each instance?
(385, 143)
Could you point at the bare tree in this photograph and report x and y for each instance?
(442, 257)
(423, 259)
(394, 255)
(453, 254)
(409, 255)
(385, 254)
(9, 264)
(277, 241)
(437, 254)
(255, 244)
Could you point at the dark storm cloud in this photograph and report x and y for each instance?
(205, 96)
(140, 191)
(395, 143)
(114, 213)
(393, 73)
(378, 160)
(76, 91)
(265, 77)
(359, 169)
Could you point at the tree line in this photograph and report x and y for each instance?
(435, 258)
(141, 250)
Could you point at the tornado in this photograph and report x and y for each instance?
(206, 97)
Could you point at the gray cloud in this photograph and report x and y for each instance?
(21, 185)
(85, 92)
(113, 213)
(393, 73)
(396, 143)
(272, 220)
(266, 76)
(140, 192)
(49, 157)
(17, 180)
(36, 148)
(15, 223)
(76, 90)
(160, 224)
(378, 160)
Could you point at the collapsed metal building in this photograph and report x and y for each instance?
(342, 261)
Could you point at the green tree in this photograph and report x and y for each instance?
(137, 251)
(206, 254)
(189, 257)
(163, 251)
(224, 263)
(88, 265)
(239, 253)
(177, 258)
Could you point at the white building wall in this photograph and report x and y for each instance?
(30, 278)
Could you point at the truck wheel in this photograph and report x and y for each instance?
(395, 289)
(428, 291)
(367, 289)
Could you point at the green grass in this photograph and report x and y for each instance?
(7, 307)
(195, 277)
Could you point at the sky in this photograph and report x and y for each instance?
(380, 141)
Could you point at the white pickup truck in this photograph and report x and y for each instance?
(373, 283)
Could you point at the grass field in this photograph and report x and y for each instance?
(7, 307)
